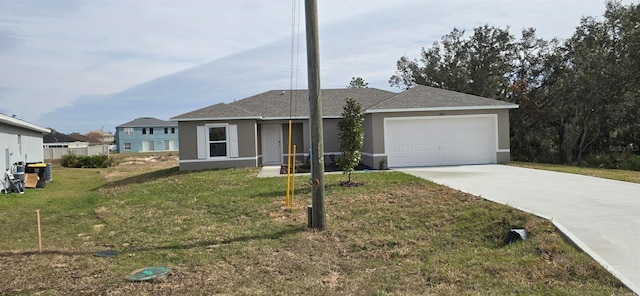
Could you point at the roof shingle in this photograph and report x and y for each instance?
(425, 97)
(148, 122)
(281, 104)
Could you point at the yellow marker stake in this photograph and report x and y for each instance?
(39, 232)
(287, 201)
(293, 176)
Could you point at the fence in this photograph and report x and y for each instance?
(57, 152)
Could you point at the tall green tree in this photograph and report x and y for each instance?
(576, 98)
(351, 136)
(478, 65)
(357, 82)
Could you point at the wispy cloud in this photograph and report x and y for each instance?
(56, 53)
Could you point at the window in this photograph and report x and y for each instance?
(19, 144)
(128, 131)
(168, 145)
(151, 131)
(144, 130)
(217, 141)
(127, 146)
(173, 130)
(152, 145)
(166, 130)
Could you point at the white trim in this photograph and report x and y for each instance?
(503, 150)
(286, 118)
(201, 144)
(307, 154)
(441, 109)
(373, 154)
(250, 117)
(233, 140)
(441, 116)
(23, 124)
(435, 117)
(298, 117)
(217, 159)
(213, 118)
(255, 138)
(208, 141)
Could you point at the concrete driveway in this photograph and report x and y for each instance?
(600, 216)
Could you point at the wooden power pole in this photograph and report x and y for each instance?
(315, 115)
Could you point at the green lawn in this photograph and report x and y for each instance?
(621, 175)
(227, 232)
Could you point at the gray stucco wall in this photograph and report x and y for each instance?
(247, 146)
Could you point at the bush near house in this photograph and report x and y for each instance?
(94, 161)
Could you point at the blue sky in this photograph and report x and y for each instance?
(59, 58)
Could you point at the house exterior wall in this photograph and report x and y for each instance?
(297, 139)
(369, 156)
(373, 149)
(138, 138)
(247, 133)
(27, 149)
(373, 154)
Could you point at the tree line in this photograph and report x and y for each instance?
(579, 98)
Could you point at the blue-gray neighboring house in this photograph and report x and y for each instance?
(147, 134)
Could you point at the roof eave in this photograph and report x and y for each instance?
(24, 124)
(460, 108)
(213, 118)
(299, 117)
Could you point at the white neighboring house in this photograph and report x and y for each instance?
(19, 141)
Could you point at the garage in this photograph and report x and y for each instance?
(441, 140)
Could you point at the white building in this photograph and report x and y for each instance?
(19, 141)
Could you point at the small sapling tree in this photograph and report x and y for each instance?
(351, 135)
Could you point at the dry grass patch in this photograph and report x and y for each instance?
(620, 175)
(227, 232)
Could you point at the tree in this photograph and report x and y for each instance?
(357, 82)
(478, 65)
(95, 137)
(577, 98)
(351, 136)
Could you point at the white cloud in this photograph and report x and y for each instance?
(53, 53)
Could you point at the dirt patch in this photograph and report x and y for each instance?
(134, 164)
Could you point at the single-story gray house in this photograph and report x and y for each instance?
(422, 126)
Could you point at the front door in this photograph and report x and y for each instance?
(271, 144)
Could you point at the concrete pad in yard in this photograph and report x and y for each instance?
(601, 216)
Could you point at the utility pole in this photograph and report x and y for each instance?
(315, 115)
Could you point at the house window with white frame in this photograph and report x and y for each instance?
(128, 131)
(127, 146)
(217, 141)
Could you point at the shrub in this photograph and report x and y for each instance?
(613, 160)
(94, 161)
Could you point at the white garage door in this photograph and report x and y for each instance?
(440, 140)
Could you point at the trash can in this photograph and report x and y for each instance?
(48, 175)
(19, 173)
(37, 168)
